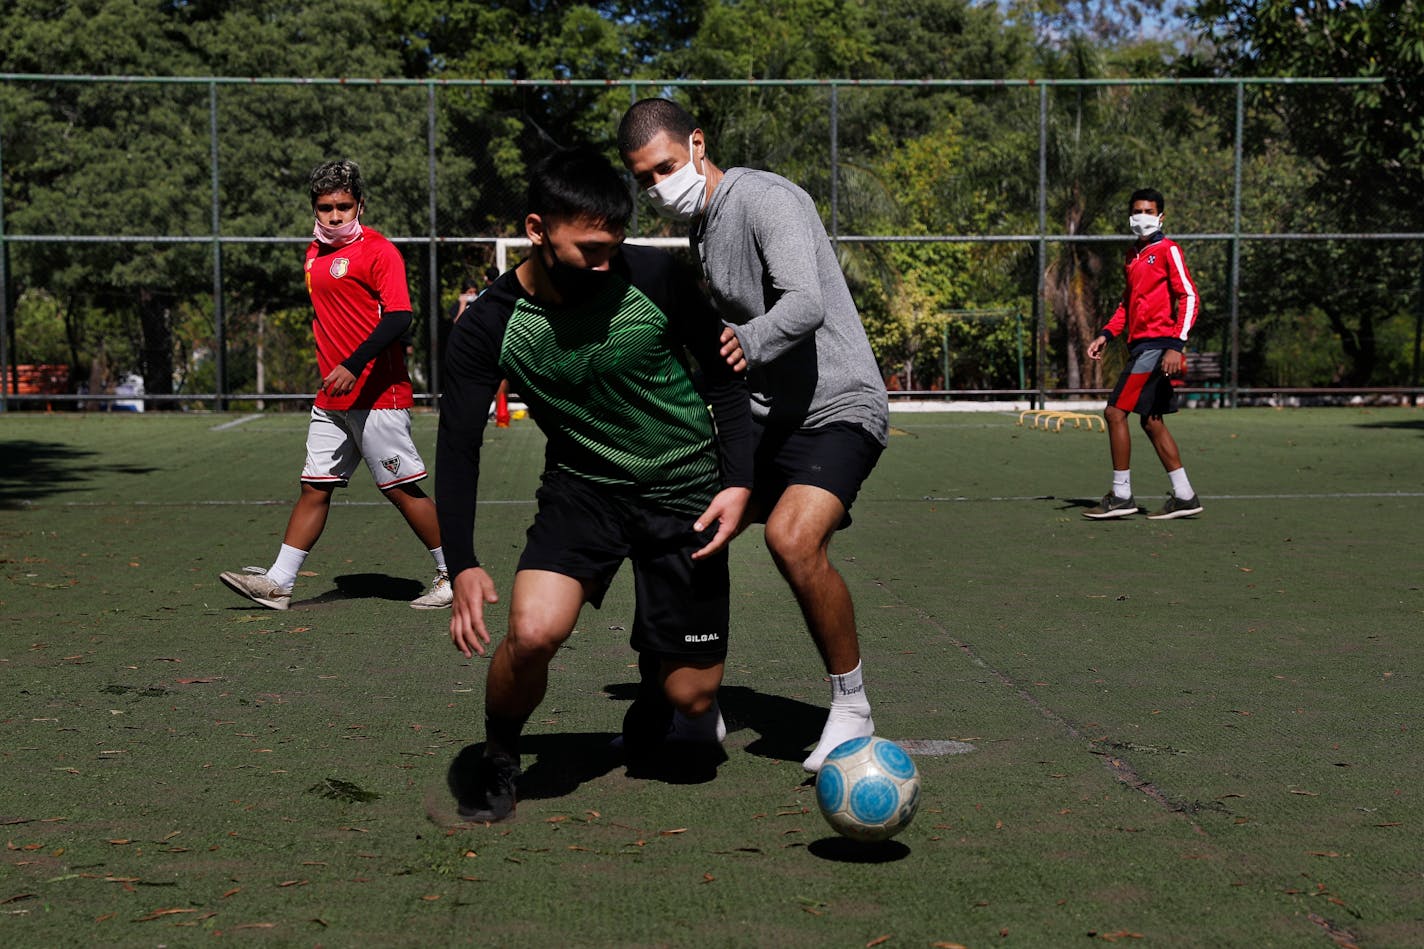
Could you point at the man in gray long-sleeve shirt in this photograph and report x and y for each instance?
(816, 388)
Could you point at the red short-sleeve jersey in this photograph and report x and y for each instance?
(350, 288)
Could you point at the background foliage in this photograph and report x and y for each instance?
(103, 158)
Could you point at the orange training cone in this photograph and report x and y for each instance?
(501, 409)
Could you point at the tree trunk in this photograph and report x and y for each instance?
(157, 327)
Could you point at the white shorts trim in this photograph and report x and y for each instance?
(337, 441)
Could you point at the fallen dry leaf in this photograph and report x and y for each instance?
(160, 913)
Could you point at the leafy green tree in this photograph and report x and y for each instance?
(1363, 147)
(109, 158)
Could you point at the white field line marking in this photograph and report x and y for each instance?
(1338, 496)
(236, 422)
(269, 503)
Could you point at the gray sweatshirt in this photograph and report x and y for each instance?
(773, 274)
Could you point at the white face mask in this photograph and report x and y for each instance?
(679, 196)
(340, 235)
(1145, 224)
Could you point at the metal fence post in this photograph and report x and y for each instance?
(219, 316)
(5, 374)
(1234, 379)
(432, 319)
(1040, 335)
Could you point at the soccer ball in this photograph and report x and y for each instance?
(868, 789)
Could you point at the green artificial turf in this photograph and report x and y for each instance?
(1202, 732)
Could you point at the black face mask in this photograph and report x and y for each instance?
(575, 284)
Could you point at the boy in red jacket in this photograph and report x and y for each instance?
(1158, 308)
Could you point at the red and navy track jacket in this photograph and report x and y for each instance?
(1159, 302)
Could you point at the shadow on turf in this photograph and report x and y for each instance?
(845, 850)
(564, 761)
(1408, 425)
(368, 586)
(786, 728)
(30, 470)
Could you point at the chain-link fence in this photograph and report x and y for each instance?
(151, 227)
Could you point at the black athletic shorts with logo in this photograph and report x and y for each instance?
(585, 531)
(837, 458)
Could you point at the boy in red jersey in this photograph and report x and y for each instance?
(356, 279)
(1158, 308)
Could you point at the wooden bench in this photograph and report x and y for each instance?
(1203, 368)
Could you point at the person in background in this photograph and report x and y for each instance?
(361, 303)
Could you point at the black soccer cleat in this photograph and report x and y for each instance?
(492, 796)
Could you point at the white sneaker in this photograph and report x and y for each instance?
(440, 597)
(842, 724)
(254, 585)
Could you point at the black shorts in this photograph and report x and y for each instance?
(585, 531)
(837, 458)
(1143, 388)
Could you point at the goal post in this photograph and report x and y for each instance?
(503, 245)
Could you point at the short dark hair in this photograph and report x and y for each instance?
(340, 174)
(491, 274)
(1148, 194)
(579, 184)
(647, 117)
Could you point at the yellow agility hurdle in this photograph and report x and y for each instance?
(1056, 418)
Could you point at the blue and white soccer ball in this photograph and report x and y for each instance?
(868, 789)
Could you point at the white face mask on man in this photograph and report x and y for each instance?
(1144, 225)
(679, 196)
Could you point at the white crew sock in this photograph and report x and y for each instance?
(283, 571)
(849, 717)
(437, 554)
(1181, 487)
(707, 727)
(1122, 484)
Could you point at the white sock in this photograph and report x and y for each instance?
(283, 571)
(707, 727)
(1122, 484)
(437, 554)
(849, 717)
(1181, 487)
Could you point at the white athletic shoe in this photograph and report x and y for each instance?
(843, 724)
(440, 597)
(254, 585)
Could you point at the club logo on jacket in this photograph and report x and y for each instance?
(1151, 259)
(391, 464)
(339, 266)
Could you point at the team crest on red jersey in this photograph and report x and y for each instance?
(339, 266)
(391, 464)
(1151, 259)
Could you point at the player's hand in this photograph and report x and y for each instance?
(1096, 347)
(732, 350)
(1172, 363)
(338, 382)
(473, 589)
(727, 509)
